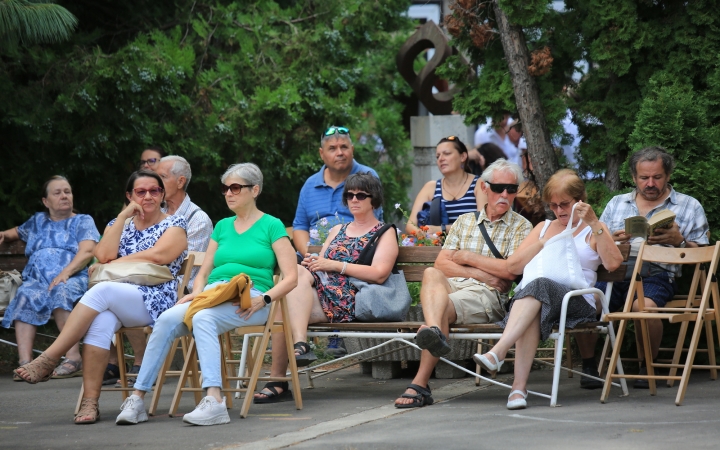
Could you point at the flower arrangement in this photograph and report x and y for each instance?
(319, 234)
(420, 238)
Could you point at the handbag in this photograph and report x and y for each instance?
(558, 260)
(9, 283)
(433, 213)
(386, 302)
(140, 273)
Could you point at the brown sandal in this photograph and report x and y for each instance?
(88, 408)
(39, 370)
(20, 364)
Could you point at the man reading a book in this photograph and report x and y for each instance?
(651, 168)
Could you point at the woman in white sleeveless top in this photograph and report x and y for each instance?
(536, 305)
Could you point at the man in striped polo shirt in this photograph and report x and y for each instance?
(321, 195)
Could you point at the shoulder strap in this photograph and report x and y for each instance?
(435, 216)
(367, 253)
(191, 215)
(488, 241)
(547, 224)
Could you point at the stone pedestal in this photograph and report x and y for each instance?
(425, 133)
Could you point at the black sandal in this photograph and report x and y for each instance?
(420, 399)
(111, 375)
(304, 355)
(272, 396)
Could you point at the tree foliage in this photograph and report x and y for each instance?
(31, 22)
(650, 79)
(215, 82)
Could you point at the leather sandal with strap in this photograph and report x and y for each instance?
(304, 356)
(88, 408)
(39, 370)
(422, 398)
(67, 369)
(17, 377)
(272, 396)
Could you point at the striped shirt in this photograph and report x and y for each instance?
(456, 208)
(690, 216)
(506, 233)
(199, 229)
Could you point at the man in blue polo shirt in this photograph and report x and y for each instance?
(321, 196)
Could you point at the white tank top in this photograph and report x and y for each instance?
(589, 258)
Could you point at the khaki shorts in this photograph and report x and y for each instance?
(474, 302)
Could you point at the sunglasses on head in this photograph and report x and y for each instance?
(358, 195)
(149, 161)
(154, 192)
(235, 188)
(498, 188)
(336, 130)
(450, 138)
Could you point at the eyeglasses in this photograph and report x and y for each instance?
(358, 195)
(333, 130)
(234, 188)
(498, 188)
(154, 192)
(563, 205)
(149, 161)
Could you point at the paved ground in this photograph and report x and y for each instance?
(348, 410)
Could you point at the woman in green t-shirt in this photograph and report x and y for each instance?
(250, 242)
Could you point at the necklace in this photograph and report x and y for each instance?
(462, 185)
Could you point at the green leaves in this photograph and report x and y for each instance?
(34, 22)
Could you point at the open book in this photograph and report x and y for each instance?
(639, 226)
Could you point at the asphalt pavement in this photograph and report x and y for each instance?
(349, 410)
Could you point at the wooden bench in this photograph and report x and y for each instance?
(12, 256)
(413, 261)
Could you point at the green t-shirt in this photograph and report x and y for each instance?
(250, 252)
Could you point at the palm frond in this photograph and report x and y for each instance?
(31, 22)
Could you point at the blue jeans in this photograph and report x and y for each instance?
(208, 324)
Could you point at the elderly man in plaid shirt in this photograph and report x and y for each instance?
(651, 168)
(468, 281)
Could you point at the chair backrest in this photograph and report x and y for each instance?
(185, 271)
(671, 255)
(199, 258)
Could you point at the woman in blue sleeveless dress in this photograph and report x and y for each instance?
(458, 189)
(59, 245)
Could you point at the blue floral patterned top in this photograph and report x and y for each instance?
(50, 245)
(163, 296)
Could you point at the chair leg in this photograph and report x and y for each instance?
(477, 366)
(191, 355)
(569, 359)
(224, 369)
(80, 397)
(689, 360)
(711, 349)
(678, 351)
(613, 361)
(254, 374)
(647, 350)
(120, 347)
(161, 377)
(559, 344)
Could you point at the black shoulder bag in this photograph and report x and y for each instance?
(491, 244)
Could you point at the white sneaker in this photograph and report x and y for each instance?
(132, 411)
(208, 412)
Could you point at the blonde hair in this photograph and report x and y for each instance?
(565, 181)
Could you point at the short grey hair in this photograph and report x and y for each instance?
(180, 168)
(247, 171)
(502, 165)
(652, 154)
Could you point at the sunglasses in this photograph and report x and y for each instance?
(234, 188)
(149, 161)
(154, 192)
(450, 138)
(358, 195)
(336, 130)
(564, 205)
(498, 188)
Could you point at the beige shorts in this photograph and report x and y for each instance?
(474, 302)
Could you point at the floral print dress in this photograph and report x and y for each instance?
(336, 293)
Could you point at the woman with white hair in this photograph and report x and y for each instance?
(265, 245)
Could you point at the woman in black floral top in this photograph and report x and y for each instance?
(324, 293)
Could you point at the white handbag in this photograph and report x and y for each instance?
(9, 282)
(558, 260)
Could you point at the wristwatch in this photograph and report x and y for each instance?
(267, 299)
(599, 231)
(682, 244)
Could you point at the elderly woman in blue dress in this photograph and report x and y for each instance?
(59, 244)
(140, 233)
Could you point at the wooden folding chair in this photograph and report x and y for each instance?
(253, 358)
(185, 271)
(701, 313)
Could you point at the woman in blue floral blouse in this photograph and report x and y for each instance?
(140, 233)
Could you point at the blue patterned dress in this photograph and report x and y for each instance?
(163, 296)
(50, 246)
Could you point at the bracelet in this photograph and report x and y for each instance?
(342, 272)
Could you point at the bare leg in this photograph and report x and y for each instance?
(524, 313)
(586, 343)
(95, 360)
(75, 328)
(438, 311)
(61, 317)
(525, 349)
(25, 337)
(138, 342)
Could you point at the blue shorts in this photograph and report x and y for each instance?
(660, 288)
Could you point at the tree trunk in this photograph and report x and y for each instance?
(612, 175)
(527, 98)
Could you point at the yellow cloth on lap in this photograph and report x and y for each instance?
(238, 287)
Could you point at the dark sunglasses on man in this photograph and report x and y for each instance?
(498, 188)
